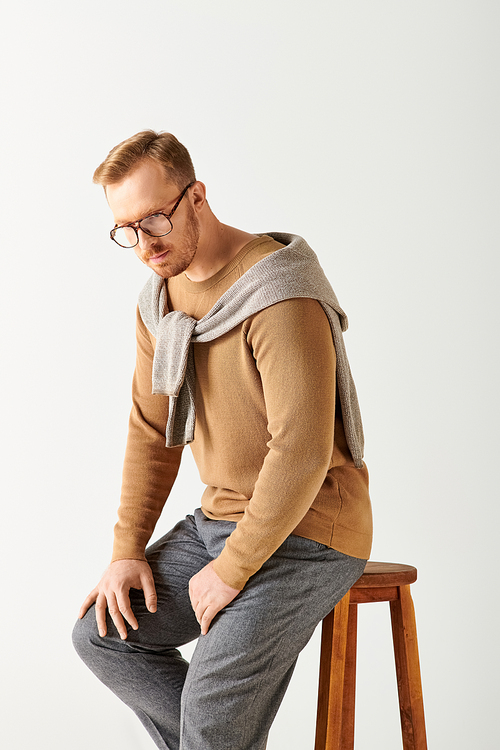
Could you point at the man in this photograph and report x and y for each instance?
(240, 354)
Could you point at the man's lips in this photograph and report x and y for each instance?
(157, 258)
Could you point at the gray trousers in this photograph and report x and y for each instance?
(228, 695)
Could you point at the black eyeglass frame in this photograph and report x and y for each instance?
(135, 225)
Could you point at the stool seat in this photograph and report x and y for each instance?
(386, 574)
(380, 582)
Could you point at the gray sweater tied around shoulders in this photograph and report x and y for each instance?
(290, 272)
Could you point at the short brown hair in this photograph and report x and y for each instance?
(163, 148)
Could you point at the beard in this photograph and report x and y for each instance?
(180, 255)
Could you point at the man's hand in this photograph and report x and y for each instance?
(209, 594)
(112, 592)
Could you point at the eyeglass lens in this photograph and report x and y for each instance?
(156, 226)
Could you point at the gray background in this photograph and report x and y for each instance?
(369, 127)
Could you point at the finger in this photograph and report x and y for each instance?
(198, 613)
(148, 587)
(191, 593)
(206, 619)
(126, 610)
(193, 598)
(100, 614)
(89, 600)
(116, 616)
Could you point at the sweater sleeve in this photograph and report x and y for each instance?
(292, 345)
(150, 468)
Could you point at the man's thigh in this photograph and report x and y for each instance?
(281, 604)
(241, 668)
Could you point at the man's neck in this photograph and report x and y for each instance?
(218, 245)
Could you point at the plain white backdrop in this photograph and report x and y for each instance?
(369, 127)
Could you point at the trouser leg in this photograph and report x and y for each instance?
(147, 671)
(240, 670)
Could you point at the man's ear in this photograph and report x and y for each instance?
(198, 195)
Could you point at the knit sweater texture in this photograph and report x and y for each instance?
(269, 438)
(290, 272)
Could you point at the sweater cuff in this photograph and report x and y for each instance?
(125, 549)
(232, 574)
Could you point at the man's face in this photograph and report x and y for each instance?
(143, 192)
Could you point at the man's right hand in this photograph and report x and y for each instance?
(112, 593)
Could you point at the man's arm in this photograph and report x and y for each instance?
(149, 468)
(292, 345)
(149, 472)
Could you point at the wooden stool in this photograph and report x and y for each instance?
(381, 582)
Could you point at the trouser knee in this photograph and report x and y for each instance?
(85, 637)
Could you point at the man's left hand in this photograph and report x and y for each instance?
(209, 594)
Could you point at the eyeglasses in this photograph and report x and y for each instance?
(156, 225)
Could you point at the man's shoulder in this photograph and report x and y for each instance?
(258, 249)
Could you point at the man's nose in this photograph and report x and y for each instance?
(145, 240)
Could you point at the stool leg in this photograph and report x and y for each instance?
(331, 677)
(347, 736)
(404, 633)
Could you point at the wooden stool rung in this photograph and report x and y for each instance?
(365, 596)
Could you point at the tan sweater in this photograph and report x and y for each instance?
(269, 440)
